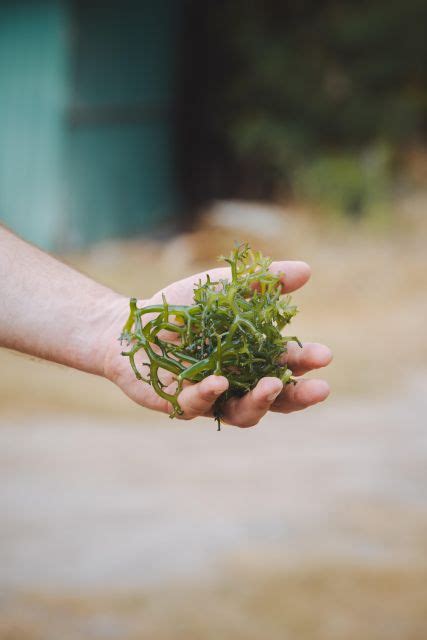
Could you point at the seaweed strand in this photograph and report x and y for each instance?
(233, 328)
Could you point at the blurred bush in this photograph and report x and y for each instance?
(296, 95)
(344, 183)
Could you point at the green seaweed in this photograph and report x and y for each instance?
(233, 329)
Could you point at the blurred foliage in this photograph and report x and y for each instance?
(346, 183)
(308, 89)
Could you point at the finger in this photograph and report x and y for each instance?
(301, 395)
(311, 356)
(197, 399)
(248, 410)
(294, 274)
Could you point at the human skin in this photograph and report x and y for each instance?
(51, 311)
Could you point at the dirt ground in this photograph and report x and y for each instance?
(314, 526)
(118, 523)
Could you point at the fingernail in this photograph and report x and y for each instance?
(273, 396)
(216, 388)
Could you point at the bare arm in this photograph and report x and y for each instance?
(51, 311)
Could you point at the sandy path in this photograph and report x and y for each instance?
(87, 504)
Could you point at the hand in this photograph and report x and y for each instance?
(197, 399)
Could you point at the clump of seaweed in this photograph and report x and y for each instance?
(233, 329)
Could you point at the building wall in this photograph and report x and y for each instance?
(86, 118)
(33, 96)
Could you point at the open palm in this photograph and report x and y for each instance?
(198, 399)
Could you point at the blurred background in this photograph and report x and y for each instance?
(138, 140)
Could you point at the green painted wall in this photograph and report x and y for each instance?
(32, 100)
(86, 118)
(120, 123)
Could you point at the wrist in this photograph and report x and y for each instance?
(109, 348)
(104, 331)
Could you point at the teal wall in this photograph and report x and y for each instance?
(86, 118)
(33, 95)
(120, 125)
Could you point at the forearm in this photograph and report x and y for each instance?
(51, 311)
